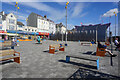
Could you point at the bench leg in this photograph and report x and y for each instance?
(67, 59)
(61, 49)
(17, 60)
(97, 63)
(52, 51)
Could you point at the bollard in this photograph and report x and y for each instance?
(67, 59)
(98, 64)
(90, 44)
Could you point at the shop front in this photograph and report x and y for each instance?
(44, 35)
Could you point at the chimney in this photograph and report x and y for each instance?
(3, 13)
(45, 16)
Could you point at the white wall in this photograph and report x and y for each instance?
(11, 16)
(42, 25)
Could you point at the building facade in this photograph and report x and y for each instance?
(43, 24)
(89, 32)
(60, 28)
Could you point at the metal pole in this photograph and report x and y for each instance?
(115, 26)
(66, 25)
(16, 24)
(62, 36)
(111, 49)
(109, 29)
(96, 34)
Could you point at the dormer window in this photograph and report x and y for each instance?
(11, 15)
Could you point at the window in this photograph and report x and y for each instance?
(0, 16)
(26, 29)
(11, 27)
(11, 15)
(11, 21)
(93, 31)
(32, 30)
(19, 25)
(0, 26)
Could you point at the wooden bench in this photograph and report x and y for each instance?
(53, 48)
(87, 44)
(6, 44)
(10, 54)
(100, 52)
(107, 43)
(83, 58)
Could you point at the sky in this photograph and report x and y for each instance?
(77, 12)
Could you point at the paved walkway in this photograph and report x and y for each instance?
(36, 62)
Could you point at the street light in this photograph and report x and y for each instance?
(16, 17)
(28, 27)
(66, 22)
(115, 23)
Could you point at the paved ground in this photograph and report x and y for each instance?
(36, 62)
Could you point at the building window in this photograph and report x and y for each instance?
(11, 27)
(19, 25)
(90, 31)
(32, 30)
(0, 26)
(26, 29)
(11, 15)
(93, 31)
(11, 21)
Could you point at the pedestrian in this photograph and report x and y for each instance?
(104, 46)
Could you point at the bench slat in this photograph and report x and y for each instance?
(7, 52)
(2, 59)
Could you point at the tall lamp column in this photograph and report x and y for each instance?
(66, 23)
(17, 17)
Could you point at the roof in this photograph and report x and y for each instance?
(43, 17)
(3, 16)
(20, 23)
(108, 24)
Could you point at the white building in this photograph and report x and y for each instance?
(60, 28)
(30, 29)
(8, 21)
(52, 27)
(42, 23)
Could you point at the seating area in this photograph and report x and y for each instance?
(10, 54)
(100, 52)
(56, 47)
(6, 53)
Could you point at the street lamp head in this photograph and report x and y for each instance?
(67, 3)
(65, 6)
(16, 2)
(114, 13)
(16, 5)
(18, 8)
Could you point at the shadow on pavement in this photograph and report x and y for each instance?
(79, 64)
(5, 62)
(90, 53)
(86, 74)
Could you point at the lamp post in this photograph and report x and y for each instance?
(115, 23)
(27, 27)
(17, 17)
(66, 23)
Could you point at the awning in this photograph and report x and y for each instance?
(23, 32)
(10, 34)
(43, 33)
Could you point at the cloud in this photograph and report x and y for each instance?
(77, 10)
(55, 14)
(110, 13)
